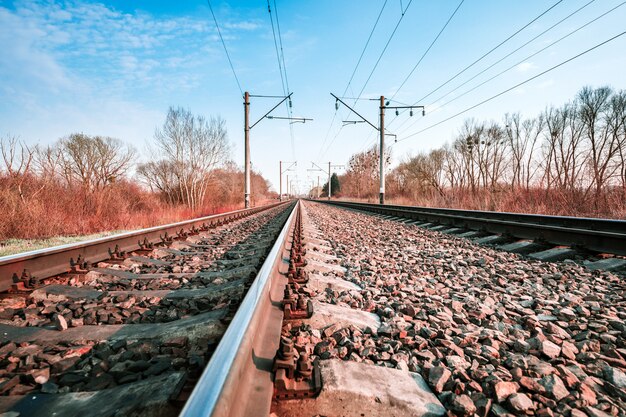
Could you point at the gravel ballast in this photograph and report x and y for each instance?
(491, 332)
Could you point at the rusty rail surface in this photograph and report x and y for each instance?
(598, 235)
(238, 379)
(44, 263)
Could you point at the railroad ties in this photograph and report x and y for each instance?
(334, 383)
(129, 335)
(411, 321)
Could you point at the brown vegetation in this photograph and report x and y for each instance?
(569, 160)
(81, 184)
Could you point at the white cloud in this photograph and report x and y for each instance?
(525, 67)
(71, 65)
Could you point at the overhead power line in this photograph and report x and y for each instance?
(225, 49)
(332, 122)
(427, 50)
(515, 86)
(385, 48)
(280, 65)
(369, 38)
(282, 68)
(518, 62)
(522, 46)
(490, 51)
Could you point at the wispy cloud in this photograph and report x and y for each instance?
(58, 43)
(82, 64)
(525, 67)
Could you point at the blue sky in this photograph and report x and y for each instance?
(113, 68)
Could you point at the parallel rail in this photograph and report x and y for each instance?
(598, 235)
(53, 261)
(238, 379)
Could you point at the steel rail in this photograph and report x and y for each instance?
(237, 381)
(598, 235)
(44, 263)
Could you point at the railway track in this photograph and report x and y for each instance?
(549, 238)
(307, 309)
(124, 325)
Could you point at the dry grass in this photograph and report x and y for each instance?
(13, 246)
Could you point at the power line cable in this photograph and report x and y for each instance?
(289, 110)
(478, 60)
(385, 49)
(352, 77)
(427, 50)
(515, 86)
(281, 68)
(490, 51)
(225, 49)
(519, 62)
(522, 46)
(365, 48)
(280, 39)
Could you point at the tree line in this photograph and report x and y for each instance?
(568, 160)
(88, 183)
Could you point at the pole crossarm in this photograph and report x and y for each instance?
(353, 111)
(289, 167)
(272, 109)
(405, 107)
(319, 168)
(297, 119)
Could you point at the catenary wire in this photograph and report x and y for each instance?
(519, 62)
(225, 49)
(516, 85)
(427, 50)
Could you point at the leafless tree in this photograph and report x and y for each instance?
(522, 137)
(617, 128)
(564, 156)
(190, 147)
(596, 115)
(17, 158)
(93, 161)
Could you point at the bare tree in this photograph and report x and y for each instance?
(522, 137)
(191, 147)
(93, 161)
(17, 158)
(617, 127)
(563, 150)
(595, 116)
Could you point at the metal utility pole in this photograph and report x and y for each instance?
(382, 149)
(330, 188)
(381, 128)
(280, 197)
(318, 187)
(246, 135)
(247, 128)
(330, 167)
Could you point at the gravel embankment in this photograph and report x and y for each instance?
(490, 331)
(218, 264)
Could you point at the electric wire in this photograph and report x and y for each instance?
(518, 63)
(428, 50)
(280, 57)
(484, 56)
(385, 49)
(515, 86)
(369, 38)
(225, 49)
(352, 77)
(522, 46)
(375, 65)
(490, 51)
(289, 110)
